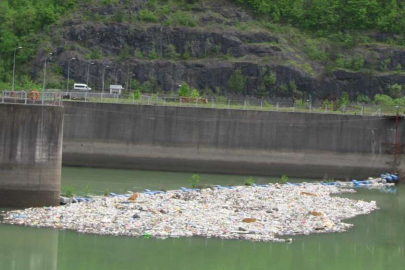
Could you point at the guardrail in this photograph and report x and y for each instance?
(56, 98)
(22, 97)
(223, 103)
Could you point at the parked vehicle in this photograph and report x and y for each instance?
(81, 87)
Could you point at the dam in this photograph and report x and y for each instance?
(231, 141)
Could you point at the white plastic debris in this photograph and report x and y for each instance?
(260, 213)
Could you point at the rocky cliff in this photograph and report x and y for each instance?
(165, 44)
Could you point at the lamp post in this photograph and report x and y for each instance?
(15, 51)
(103, 77)
(116, 76)
(88, 72)
(129, 81)
(67, 84)
(46, 57)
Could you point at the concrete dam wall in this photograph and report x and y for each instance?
(228, 141)
(30, 155)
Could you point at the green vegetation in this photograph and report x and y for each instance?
(86, 190)
(237, 82)
(333, 17)
(195, 180)
(284, 179)
(68, 191)
(20, 22)
(249, 181)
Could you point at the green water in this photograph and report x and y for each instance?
(376, 242)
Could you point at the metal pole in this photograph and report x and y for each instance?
(101, 97)
(67, 84)
(244, 105)
(15, 51)
(164, 101)
(212, 103)
(43, 88)
(133, 99)
(85, 96)
(362, 110)
(261, 105)
(277, 106)
(196, 100)
(103, 81)
(326, 108)
(88, 72)
(229, 103)
(116, 76)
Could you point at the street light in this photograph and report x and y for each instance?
(46, 57)
(116, 75)
(103, 77)
(15, 51)
(88, 71)
(67, 84)
(129, 81)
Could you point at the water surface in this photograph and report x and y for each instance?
(377, 242)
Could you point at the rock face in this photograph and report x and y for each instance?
(207, 55)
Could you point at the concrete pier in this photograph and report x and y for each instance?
(30, 155)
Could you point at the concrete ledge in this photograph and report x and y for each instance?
(17, 198)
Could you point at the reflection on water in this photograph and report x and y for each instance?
(28, 248)
(377, 241)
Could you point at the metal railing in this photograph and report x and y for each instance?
(223, 103)
(56, 98)
(22, 97)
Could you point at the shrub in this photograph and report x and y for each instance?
(283, 88)
(184, 18)
(384, 100)
(68, 191)
(195, 180)
(344, 99)
(270, 79)
(237, 82)
(153, 55)
(384, 64)
(358, 62)
(395, 90)
(147, 16)
(138, 54)
(194, 93)
(137, 94)
(284, 179)
(170, 52)
(249, 181)
(125, 53)
(363, 99)
(184, 90)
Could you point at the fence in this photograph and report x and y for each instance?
(55, 98)
(223, 103)
(21, 97)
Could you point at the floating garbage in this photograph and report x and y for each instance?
(256, 213)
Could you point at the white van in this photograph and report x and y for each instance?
(81, 87)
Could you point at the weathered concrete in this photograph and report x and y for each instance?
(228, 141)
(30, 155)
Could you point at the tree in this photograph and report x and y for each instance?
(237, 82)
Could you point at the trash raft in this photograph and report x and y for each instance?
(268, 213)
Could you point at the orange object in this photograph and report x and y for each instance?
(34, 95)
(133, 197)
(249, 220)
